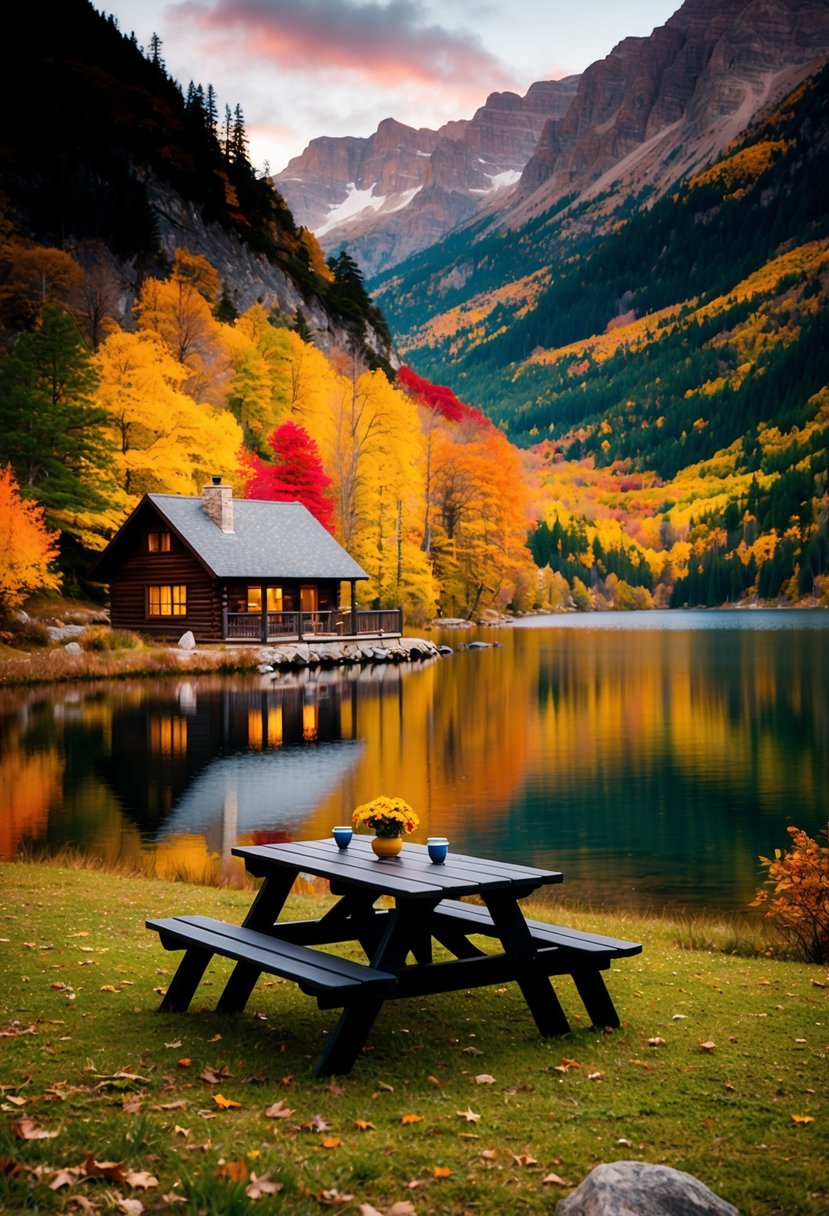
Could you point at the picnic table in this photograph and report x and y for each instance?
(428, 906)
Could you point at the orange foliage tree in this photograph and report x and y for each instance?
(26, 546)
(798, 902)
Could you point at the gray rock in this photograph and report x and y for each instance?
(264, 669)
(73, 648)
(381, 654)
(479, 646)
(60, 633)
(187, 641)
(445, 650)
(636, 1188)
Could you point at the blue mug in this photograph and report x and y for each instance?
(437, 848)
(342, 835)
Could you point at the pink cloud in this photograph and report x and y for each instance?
(386, 43)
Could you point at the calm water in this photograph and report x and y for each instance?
(649, 756)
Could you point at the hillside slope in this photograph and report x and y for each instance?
(103, 155)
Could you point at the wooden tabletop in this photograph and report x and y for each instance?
(411, 875)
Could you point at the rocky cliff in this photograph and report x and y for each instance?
(400, 190)
(658, 107)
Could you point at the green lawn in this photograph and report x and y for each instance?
(720, 1069)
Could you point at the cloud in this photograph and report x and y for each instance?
(388, 44)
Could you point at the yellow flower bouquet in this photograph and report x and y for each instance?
(386, 817)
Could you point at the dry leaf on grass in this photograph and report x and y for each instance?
(468, 1114)
(225, 1103)
(278, 1111)
(484, 1078)
(257, 1187)
(27, 1129)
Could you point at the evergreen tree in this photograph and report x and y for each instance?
(51, 431)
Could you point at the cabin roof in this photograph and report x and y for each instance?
(270, 539)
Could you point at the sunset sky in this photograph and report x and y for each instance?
(303, 68)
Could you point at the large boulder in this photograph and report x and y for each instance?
(635, 1188)
(187, 641)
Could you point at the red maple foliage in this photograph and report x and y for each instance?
(296, 473)
(438, 397)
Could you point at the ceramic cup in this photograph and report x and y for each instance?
(342, 834)
(437, 847)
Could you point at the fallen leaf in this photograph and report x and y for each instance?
(181, 1104)
(434, 1081)
(142, 1178)
(233, 1171)
(332, 1197)
(265, 1185)
(213, 1076)
(215, 1039)
(178, 1130)
(129, 1207)
(554, 1180)
(441, 1171)
(489, 1154)
(67, 1177)
(468, 1114)
(524, 1159)
(708, 1045)
(411, 1119)
(185, 1062)
(278, 1111)
(174, 1044)
(472, 1051)
(113, 1170)
(595, 1076)
(107, 988)
(484, 1078)
(363, 1125)
(225, 1103)
(27, 1129)
(656, 1041)
(803, 1119)
(316, 1124)
(332, 1142)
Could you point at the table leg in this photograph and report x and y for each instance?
(597, 1000)
(402, 927)
(538, 991)
(184, 983)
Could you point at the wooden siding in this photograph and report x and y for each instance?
(138, 569)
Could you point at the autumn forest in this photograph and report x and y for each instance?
(672, 455)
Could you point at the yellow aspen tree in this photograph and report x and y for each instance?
(179, 310)
(165, 441)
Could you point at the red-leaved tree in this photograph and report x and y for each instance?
(296, 473)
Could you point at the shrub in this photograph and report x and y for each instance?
(798, 902)
(27, 635)
(101, 637)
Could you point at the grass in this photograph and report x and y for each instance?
(87, 1059)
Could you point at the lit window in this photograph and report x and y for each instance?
(168, 736)
(168, 601)
(274, 599)
(254, 599)
(158, 542)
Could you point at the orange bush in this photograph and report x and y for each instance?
(798, 901)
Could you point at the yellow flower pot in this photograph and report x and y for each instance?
(387, 846)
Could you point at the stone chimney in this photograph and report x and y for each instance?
(217, 501)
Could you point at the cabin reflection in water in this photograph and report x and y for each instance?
(225, 763)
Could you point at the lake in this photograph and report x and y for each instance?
(650, 756)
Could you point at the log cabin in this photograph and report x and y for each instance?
(230, 570)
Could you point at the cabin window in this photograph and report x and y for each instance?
(158, 542)
(273, 599)
(168, 600)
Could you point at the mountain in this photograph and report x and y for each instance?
(399, 190)
(102, 155)
(658, 108)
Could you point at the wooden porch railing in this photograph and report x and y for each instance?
(301, 626)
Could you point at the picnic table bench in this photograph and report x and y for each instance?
(397, 941)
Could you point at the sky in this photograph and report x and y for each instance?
(304, 68)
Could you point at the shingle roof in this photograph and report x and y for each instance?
(270, 539)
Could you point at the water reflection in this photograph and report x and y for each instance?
(650, 764)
